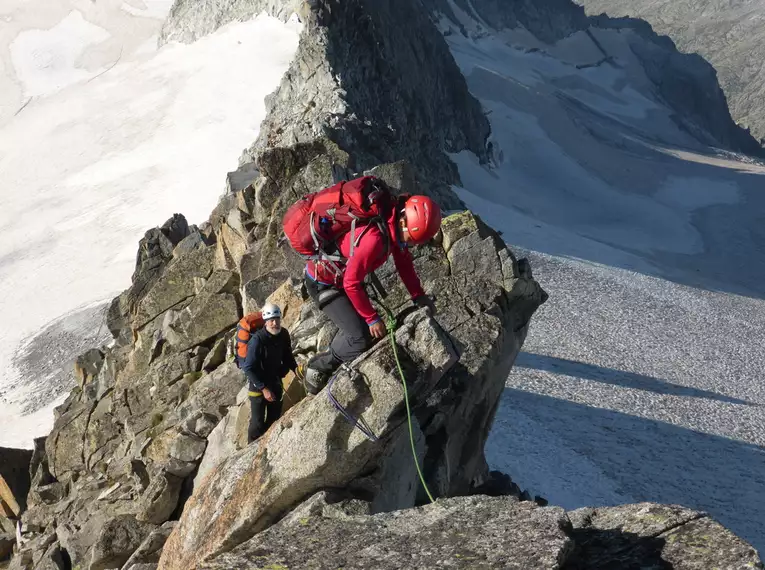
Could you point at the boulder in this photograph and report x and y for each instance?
(54, 558)
(149, 551)
(87, 366)
(214, 310)
(194, 241)
(461, 532)
(160, 498)
(225, 438)
(117, 541)
(217, 354)
(176, 284)
(648, 535)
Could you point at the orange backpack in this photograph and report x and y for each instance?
(244, 330)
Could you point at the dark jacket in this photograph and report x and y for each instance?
(269, 359)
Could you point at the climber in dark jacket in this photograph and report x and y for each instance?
(269, 359)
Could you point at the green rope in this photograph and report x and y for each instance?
(391, 325)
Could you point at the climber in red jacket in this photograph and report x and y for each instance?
(413, 220)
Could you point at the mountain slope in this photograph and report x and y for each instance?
(640, 378)
(728, 34)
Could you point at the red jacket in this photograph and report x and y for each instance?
(368, 255)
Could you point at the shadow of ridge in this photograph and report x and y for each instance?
(596, 549)
(618, 377)
(647, 460)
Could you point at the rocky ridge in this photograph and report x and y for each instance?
(142, 470)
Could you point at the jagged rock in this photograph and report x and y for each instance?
(464, 532)
(484, 324)
(7, 526)
(22, 561)
(176, 228)
(222, 441)
(65, 443)
(155, 252)
(400, 176)
(200, 424)
(239, 181)
(647, 535)
(217, 354)
(309, 448)
(14, 480)
(233, 236)
(187, 448)
(160, 498)
(88, 365)
(78, 540)
(257, 290)
(48, 494)
(194, 241)
(52, 559)
(151, 548)
(177, 284)
(214, 310)
(117, 541)
(364, 119)
(38, 465)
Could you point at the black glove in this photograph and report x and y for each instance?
(427, 302)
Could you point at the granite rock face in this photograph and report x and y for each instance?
(328, 532)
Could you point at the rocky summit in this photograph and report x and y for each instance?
(147, 465)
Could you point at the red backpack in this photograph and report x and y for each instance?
(314, 223)
(244, 331)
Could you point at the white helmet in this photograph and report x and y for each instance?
(271, 311)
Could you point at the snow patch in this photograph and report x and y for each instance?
(121, 154)
(46, 60)
(157, 9)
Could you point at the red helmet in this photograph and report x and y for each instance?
(423, 218)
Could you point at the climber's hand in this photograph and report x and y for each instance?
(377, 330)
